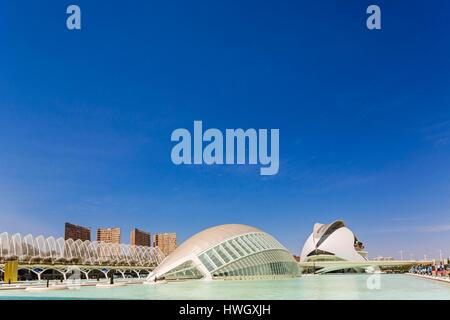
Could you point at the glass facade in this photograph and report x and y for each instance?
(248, 256)
(266, 264)
(185, 270)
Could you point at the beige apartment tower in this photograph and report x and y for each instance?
(140, 238)
(166, 242)
(108, 235)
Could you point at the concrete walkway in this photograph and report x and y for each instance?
(425, 276)
(21, 285)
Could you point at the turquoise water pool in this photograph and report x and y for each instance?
(307, 287)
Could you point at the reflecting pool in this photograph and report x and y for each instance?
(306, 287)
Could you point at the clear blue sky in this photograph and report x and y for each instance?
(364, 117)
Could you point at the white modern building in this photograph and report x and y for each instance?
(230, 251)
(332, 242)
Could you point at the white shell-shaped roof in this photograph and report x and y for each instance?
(339, 241)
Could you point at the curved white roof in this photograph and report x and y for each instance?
(334, 238)
(206, 239)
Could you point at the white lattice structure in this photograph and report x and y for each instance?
(40, 250)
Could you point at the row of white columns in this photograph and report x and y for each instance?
(86, 272)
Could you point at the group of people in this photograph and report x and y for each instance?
(440, 270)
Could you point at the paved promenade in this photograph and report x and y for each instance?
(425, 276)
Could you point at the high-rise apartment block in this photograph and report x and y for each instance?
(75, 232)
(140, 238)
(109, 235)
(166, 242)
